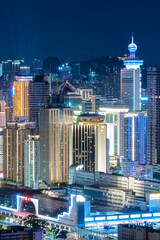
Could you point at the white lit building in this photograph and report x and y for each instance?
(131, 80)
(114, 118)
(31, 161)
(140, 187)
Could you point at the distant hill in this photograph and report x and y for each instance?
(51, 64)
(101, 65)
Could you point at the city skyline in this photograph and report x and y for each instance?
(38, 29)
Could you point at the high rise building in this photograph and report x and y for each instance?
(135, 137)
(36, 67)
(89, 142)
(1, 149)
(55, 143)
(2, 126)
(21, 105)
(2, 114)
(38, 91)
(31, 161)
(114, 118)
(24, 70)
(76, 70)
(153, 112)
(13, 140)
(72, 98)
(131, 80)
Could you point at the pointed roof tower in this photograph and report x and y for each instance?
(132, 47)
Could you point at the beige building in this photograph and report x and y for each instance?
(55, 143)
(2, 114)
(135, 232)
(89, 142)
(13, 140)
(21, 104)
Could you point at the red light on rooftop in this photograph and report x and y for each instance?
(27, 199)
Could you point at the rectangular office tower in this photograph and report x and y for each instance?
(20, 91)
(135, 137)
(131, 80)
(153, 112)
(55, 143)
(89, 142)
(31, 161)
(114, 118)
(13, 141)
(38, 91)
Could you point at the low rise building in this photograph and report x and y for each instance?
(20, 232)
(133, 232)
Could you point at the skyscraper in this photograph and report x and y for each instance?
(31, 161)
(89, 142)
(38, 91)
(55, 143)
(135, 137)
(114, 118)
(131, 80)
(2, 126)
(14, 136)
(21, 105)
(153, 111)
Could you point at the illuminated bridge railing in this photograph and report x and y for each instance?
(133, 216)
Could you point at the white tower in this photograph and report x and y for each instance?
(131, 79)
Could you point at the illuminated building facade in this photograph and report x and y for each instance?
(114, 118)
(2, 114)
(55, 143)
(74, 102)
(14, 136)
(31, 161)
(131, 80)
(135, 137)
(153, 112)
(24, 70)
(2, 126)
(21, 104)
(1, 149)
(89, 142)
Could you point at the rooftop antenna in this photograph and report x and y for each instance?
(132, 37)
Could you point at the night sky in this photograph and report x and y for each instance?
(78, 29)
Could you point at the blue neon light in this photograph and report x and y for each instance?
(144, 98)
(89, 219)
(135, 216)
(123, 216)
(111, 217)
(13, 90)
(60, 215)
(8, 209)
(157, 214)
(147, 215)
(100, 218)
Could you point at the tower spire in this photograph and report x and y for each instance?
(132, 48)
(132, 38)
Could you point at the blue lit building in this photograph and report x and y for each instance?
(135, 137)
(131, 80)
